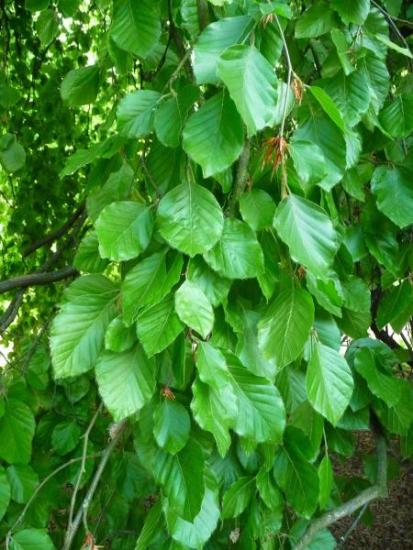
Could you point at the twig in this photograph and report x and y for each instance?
(289, 76)
(379, 490)
(35, 279)
(241, 178)
(203, 14)
(38, 488)
(354, 524)
(82, 465)
(9, 315)
(82, 512)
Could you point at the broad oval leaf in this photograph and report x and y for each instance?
(214, 136)
(190, 219)
(329, 382)
(136, 113)
(31, 539)
(237, 497)
(126, 381)
(308, 232)
(78, 330)
(17, 426)
(286, 325)
(194, 308)
(80, 86)
(238, 254)
(4, 492)
(124, 230)
(257, 209)
(171, 426)
(393, 189)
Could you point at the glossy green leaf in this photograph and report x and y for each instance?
(190, 219)
(4, 492)
(194, 308)
(87, 257)
(257, 209)
(393, 190)
(325, 475)
(237, 255)
(171, 426)
(31, 539)
(380, 384)
(353, 12)
(214, 286)
(17, 426)
(12, 154)
(65, 437)
(81, 86)
(216, 38)
(252, 85)
(237, 497)
(329, 382)
(126, 381)
(78, 330)
(124, 230)
(158, 326)
(308, 232)
(23, 481)
(171, 115)
(317, 20)
(285, 326)
(213, 136)
(397, 117)
(118, 336)
(136, 113)
(328, 106)
(396, 306)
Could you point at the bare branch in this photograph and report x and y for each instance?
(379, 490)
(36, 279)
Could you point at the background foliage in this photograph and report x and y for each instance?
(230, 185)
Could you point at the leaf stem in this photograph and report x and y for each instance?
(289, 76)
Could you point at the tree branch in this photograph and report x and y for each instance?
(241, 178)
(55, 235)
(82, 512)
(36, 279)
(9, 315)
(379, 490)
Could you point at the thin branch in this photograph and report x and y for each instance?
(55, 235)
(83, 510)
(379, 490)
(10, 314)
(36, 279)
(82, 465)
(203, 14)
(38, 488)
(353, 525)
(289, 76)
(241, 178)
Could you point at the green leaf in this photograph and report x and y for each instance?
(17, 426)
(190, 219)
(237, 497)
(325, 476)
(78, 330)
(328, 106)
(328, 292)
(124, 230)
(342, 47)
(382, 385)
(23, 482)
(149, 282)
(311, 423)
(12, 154)
(81, 86)
(65, 437)
(295, 475)
(171, 426)
(212, 367)
(136, 28)
(36, 5)
(308, 232)
(194, 308)
(397, 117)
(31, 539)
(252, 85)
(136, 113)
(118, 336)
(238, 254)
(158, 326)
(214, 39)
(268, 491)
(393, 189)
(257, 209)
(309, 161)
(352, 12)
(182, 478)
(213, 136)
(261, 412)
(47, 26)
(214, 286)
(195, 534)
(286, 325)
(126, 381)
(396, 306)
(215, 410)
(171, 115)
(150, 527)
(87, 257)
(329, 382)
(4, 492)
(350, 94)
(317, 20)
(117, 188)
(393, 46)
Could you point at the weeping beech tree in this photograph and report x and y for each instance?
(206, 237)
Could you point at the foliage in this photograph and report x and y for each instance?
(229, 183)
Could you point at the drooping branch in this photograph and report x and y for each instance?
(83, 510)
(36, 279)
(55, 235)
(379, 490)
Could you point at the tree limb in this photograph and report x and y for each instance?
(55, 235)
(82, 512)
(379, 490)
(36, 279)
